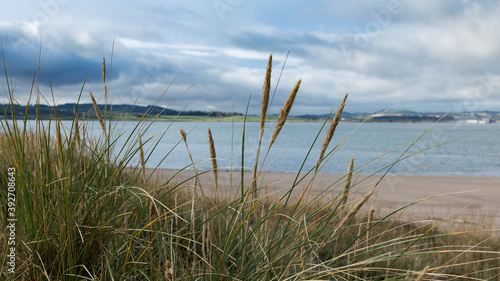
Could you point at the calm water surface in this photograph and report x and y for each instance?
(446, 149)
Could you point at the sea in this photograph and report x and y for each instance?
(451, 149)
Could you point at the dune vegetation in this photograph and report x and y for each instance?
(86, 209)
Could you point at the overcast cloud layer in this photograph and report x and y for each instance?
(417, 55)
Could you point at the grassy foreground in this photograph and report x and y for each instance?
(85, 209)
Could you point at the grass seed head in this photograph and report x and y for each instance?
(98, 112)
(265, 94)
(152, 211)
(141, 156)
(77, 130)
(284, 112)
(213, 156)
(103, 70)
(352, 212)
(183, 134)
(348, 181)
(330, 133)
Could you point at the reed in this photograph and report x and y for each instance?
(153, 212)
(105, 86)
(193, 198)
(213, 160)
(104, 70)
(349, 216)
(98, 113)
(369, 220)
(265, 95)
(348, 181)
(196, 178)
(285, 110)
(141, 157)
(77, 131)
(184, 137)
(263, 117)
(329, 133)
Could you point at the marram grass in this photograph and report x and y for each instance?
(84, 214)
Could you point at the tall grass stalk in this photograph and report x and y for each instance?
(263, 117)
(330, 133)
(348, 181)
(213, 160)
(285, 110)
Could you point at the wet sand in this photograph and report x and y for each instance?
(470, 202)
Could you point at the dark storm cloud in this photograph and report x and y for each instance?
(60, 65)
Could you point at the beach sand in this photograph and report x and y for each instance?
(452, 201)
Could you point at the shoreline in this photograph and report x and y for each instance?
(451, 201)
(251, 120)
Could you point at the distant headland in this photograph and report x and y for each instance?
(130, 112)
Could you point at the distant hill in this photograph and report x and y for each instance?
(134, 112)
(66, 111)
(400, 112)
(403, 115)
(345, 114)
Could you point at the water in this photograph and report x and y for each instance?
(446, 149)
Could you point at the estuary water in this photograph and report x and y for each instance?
(445, 149)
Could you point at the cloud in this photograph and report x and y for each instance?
(418, 55)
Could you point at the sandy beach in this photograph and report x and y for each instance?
(470, 202)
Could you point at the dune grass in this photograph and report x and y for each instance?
(88, 210)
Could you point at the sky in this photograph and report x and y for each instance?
(426, 55)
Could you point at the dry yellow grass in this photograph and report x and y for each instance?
(213, 158)
(184, 135)
(103, 70)
(98, 113)
(285, 110)
(348, 181)
(263, 117)
(77, 131)
(265, 95)
(104, 77)
(196, 179)
(330, 133)
(141, 157)
(352, 212)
